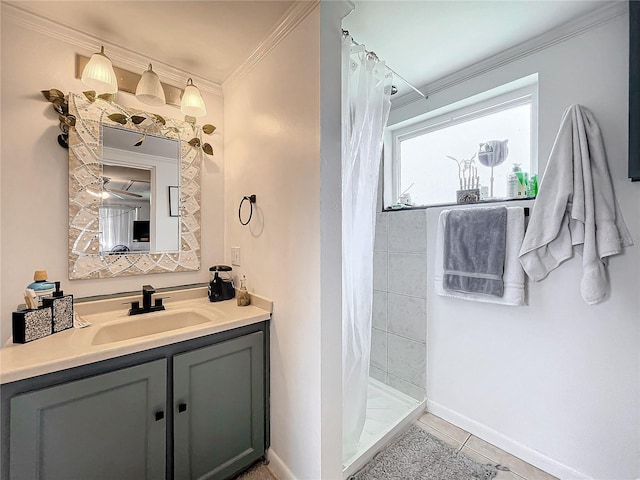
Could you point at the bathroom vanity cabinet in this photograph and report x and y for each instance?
(219, 408)
(100, 427)
(195, 409)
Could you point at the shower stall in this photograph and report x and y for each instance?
(397, 370)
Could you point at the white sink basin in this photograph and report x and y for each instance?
(150, 324)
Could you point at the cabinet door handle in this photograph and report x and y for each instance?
(159, 415)
(182, 407)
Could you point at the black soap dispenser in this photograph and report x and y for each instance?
(214, 286)
(62, 306)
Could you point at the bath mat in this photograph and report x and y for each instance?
(416, 455)
(258, 472)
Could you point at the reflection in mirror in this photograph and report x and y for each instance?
(125, 209)
(135, 188)
(122, 167)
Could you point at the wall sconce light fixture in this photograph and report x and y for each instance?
(192, 103)
(98, 74)
(149, 89)
(101, 76)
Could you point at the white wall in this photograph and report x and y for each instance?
(556, 382)
(272, 149)
(331, 15)
(282, 142)
(34, 170)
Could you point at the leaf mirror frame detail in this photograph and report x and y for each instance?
(85, 183)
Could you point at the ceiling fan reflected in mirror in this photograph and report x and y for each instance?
(122, 193)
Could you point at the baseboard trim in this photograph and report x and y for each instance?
(507, 444)
(278, 467)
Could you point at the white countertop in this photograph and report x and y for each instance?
(75, 347)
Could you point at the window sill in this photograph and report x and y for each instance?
(453, 204)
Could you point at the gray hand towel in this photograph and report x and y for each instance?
(474, 250)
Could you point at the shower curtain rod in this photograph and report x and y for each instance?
(346, 32)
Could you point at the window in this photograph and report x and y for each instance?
(422, 166)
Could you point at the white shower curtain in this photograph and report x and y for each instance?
(366, 91)
(116, 225)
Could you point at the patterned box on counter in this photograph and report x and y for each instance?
(470, 195)
(62, 311)
(31, 325)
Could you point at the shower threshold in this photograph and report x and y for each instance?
(388, 413)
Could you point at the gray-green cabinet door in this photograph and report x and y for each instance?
(219, 408)
(102, 427)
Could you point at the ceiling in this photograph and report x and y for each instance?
(426, 40)
(119, 181)
(421, 40)
(208, 39)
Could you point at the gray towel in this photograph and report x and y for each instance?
(576, 208)
(474, 250)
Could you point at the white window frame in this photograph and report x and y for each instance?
(513, 98)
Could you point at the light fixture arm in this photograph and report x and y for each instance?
(128, 81)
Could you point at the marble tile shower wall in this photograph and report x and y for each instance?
(399, 330)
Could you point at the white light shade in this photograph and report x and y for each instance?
(98, 74)
(149, 89)
(192, 103)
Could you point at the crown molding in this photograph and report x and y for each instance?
(289, 21)
(120, 56)
(548, 39)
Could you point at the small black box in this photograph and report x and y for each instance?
(31, 325)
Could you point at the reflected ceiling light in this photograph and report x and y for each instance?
(99, 75)
(192, 103)
(149, 89)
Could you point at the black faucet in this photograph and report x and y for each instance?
(147, 292)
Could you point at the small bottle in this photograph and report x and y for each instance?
(532, 191)
(243, 296)
(214, 286)
(513, 181)
(523, 184)
(41, 286)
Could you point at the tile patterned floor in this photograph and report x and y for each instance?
(480, 450)
(472, 446)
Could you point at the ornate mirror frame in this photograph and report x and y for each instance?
(85, 173)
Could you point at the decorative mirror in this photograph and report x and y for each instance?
(134, 191)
